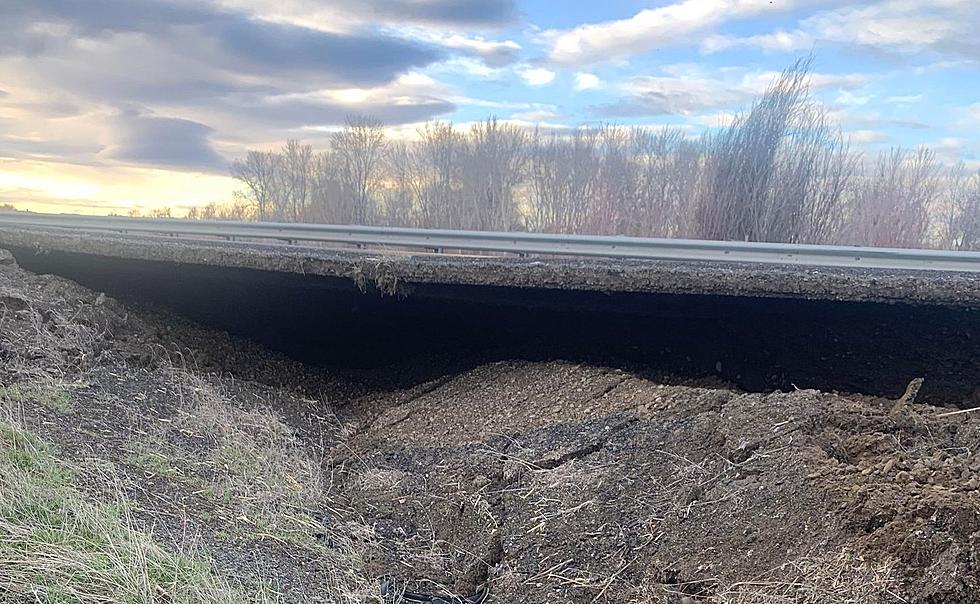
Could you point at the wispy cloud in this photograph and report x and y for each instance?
(650, 28)
(683, 95)
(946, 27)
(867, 137)
(328, 14)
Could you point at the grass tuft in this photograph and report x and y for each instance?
(57, 545)
(53, 394)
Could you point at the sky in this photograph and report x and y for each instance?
(107, 105)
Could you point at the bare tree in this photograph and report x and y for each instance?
(258, 172)
(563, 172)
(669, 171)
(781, 172)
(493, 165)
(399, 194)
(240, 208)
(435, 175)
(616, 183)
(358, 150)
(294, 180)
(328, 199)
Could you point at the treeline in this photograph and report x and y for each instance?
(780, 172)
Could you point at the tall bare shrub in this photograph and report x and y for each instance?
(777, 173)
(891, 200)
(958, 211)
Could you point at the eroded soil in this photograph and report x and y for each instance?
(549, 481)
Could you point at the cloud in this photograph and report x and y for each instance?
(26, 147)
(864, 119)
(181, 82)
(682, 95)
(908, 99)
(494, 104)
(975, 110)
(452, 12)
(782, 41)
(537, 76)
(587, 81)
(165, 141)
(658, 95)
(443, 13)
(230, 40)
(413, 97)
(715, 120)
(535, 116)
(852, 99)
(311, 112)
(650, 28)
(952, 150)
(867, 137)
(353, 58)
(903, 27)
(493, 53)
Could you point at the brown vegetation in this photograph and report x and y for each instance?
(780, 172)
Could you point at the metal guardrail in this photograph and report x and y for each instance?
(686, 250)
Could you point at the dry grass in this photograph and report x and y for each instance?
(254, 461)
(45, 341)
(188, 452)
(270, 483)
(843, 577)
(57, 545)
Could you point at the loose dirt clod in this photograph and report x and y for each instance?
(259, 479)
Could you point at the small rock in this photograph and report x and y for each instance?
(889, 465)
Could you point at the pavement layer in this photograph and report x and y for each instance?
(396, 271)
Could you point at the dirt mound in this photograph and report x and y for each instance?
(547, 481)
(564, 483)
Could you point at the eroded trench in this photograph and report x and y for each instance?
(757, 344)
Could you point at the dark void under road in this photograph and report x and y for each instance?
(756, 343)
